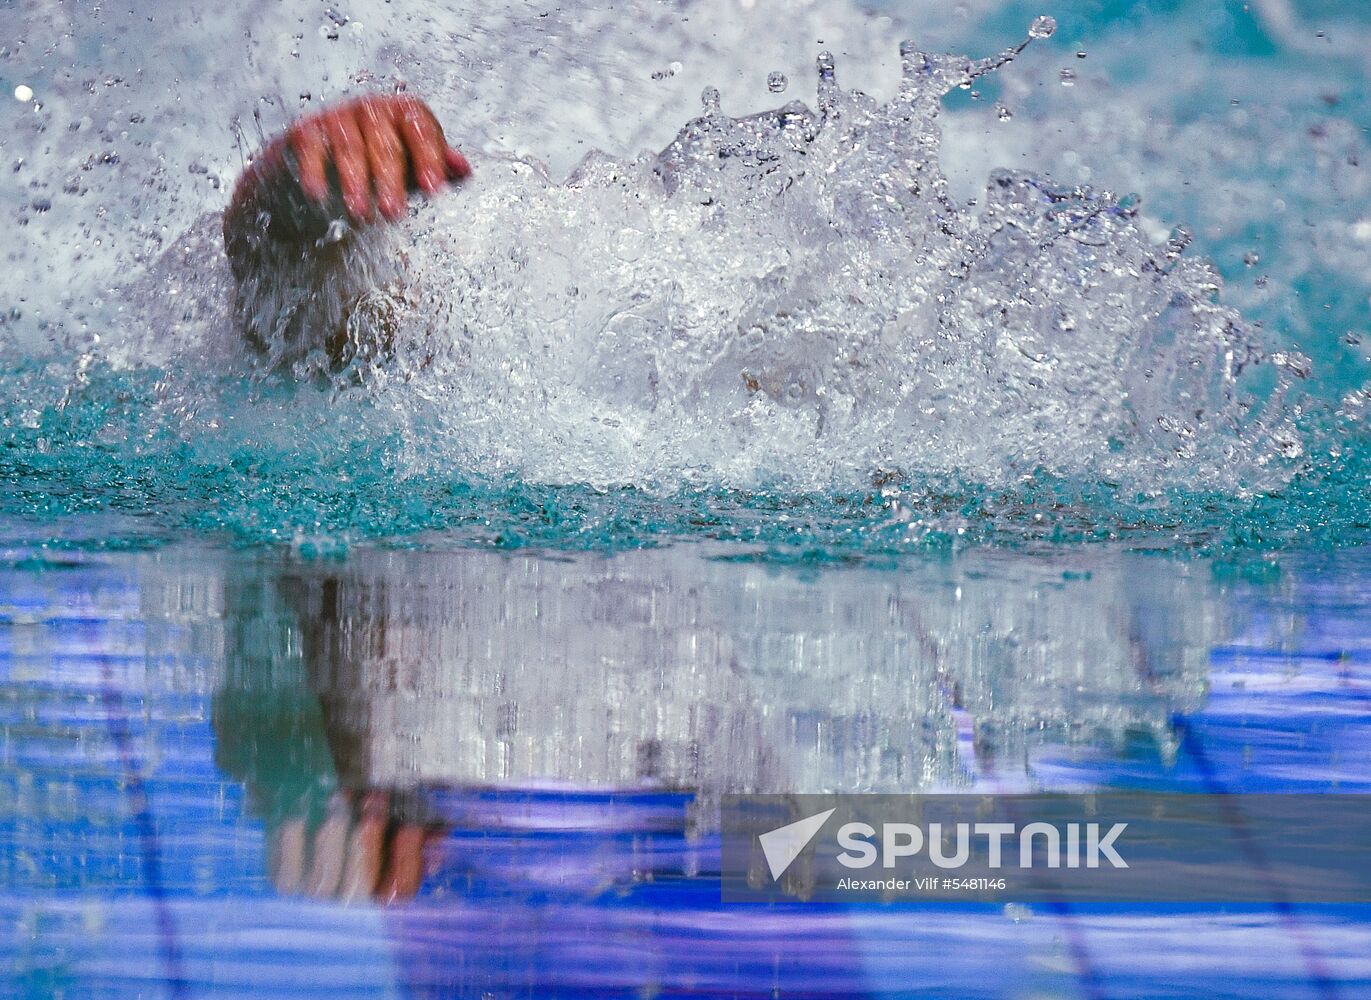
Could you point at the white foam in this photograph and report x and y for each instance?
(790, 298)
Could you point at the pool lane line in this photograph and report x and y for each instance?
(1286, 911)
(169, 943)
(1087, 975)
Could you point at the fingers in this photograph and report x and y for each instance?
(424, 140)
(349, 152)
(376, 146)
(457, 164)
(359, 852)
(287, 856)
(366, 848)
(406, 872)
(310, 148)
(386, 157)
(330, 847)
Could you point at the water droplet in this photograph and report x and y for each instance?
(776, 82)
(1178, 241)
(1042, 27)
(913, 62)
(1068, 78)
(23, 93)
(1080, 53)
(828, 84)
(1294, 362)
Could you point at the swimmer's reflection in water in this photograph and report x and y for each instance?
(330, 834)
(296, 230)
(359, 697)
(368, 845)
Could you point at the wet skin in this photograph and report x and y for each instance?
(371, 152)
(356, 162)
(360, 851)
(359, 160)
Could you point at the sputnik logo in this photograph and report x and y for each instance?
(784, 844)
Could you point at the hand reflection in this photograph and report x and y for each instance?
(363, 849)
(348, 686)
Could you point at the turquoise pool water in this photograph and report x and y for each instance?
(1185, 371)
(425, 678)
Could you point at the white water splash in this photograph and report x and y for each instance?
(792, 297)
(787, 298)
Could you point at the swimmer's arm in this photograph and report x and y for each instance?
(352, 162)
(300, 230)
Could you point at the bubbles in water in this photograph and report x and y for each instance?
(1068, 77)
(776, 82)
(788, 299)
(1003, 113)
(1043, 27)
(23, 93)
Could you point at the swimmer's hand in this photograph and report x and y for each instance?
(360, 158)
(379, 148)
(295, 231)
(360, 851)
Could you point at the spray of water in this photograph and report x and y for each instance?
(787, 301)
(792, 298)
